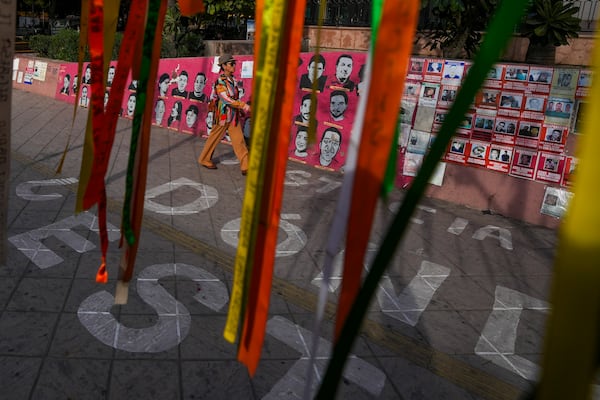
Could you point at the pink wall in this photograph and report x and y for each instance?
(486, 185)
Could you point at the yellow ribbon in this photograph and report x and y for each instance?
(570, 359)
(266, 64)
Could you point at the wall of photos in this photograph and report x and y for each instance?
(518, 124)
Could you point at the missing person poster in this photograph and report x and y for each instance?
(555, 202)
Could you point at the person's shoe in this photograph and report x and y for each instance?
(244, 172)
(209, 166)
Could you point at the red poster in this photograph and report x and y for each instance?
(499, 158)
(553, 138)
(523, 163)
(477, 152)
(528, 133)
(550, 167)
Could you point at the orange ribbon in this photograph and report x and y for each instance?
(191, 7)
(257, 309)
(391, 55)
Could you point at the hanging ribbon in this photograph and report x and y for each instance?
(340, 218)
(7, 49)
(571, 345)
(189, 8)
(253, 333)
(137, 168)
(268, 26)
(391, 55)
(498, 34)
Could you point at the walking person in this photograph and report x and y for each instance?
(228, 116)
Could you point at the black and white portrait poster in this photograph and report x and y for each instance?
(550, 167)
(523, 163)
(499, 158)
(478, 151)
(429, 94)
(457, 150)
(553, 138)
(564, 82)
(555, 202)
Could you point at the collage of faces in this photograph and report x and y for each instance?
(182, 91)
(337, 82)
(518, 123)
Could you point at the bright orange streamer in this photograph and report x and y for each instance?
(255, 320)
(391, 56)
(141, 166)
(191, 7)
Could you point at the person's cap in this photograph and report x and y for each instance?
(225, 58)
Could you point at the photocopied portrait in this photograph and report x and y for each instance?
(182, 81)
(301, 142)
(458, 147)
(540, 75)
(343, 70)
(524, 160)
(159, 111)
(315, 69)
(453, 69)
(130, 109)
(511, 100)
(434, 67)
(329, 146)
(516, 73)
(338, 104)
(191, 116)
(554, 135)
(534, 104)
(585, 79)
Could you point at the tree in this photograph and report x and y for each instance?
(455, 26)
(230, 8)
(549, 24)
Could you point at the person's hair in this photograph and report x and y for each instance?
(163, 77)
(361, 72)
(318, 59)
(201, 74)
(339, 93)
(184, 72)
(305, 97)
(193, 109)
(179, 106)
(159, 99)
(112, 67)
(334, 130)
(342, 56)
(68, 76)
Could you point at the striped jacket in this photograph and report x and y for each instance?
(228, 107)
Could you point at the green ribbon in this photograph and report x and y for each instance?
(140, 105)
(498, 34)
(390, 172)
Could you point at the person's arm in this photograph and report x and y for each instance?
(221, 90)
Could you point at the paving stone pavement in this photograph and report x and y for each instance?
(459, 315)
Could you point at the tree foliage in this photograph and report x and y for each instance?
(455, 26)
(228, 8)
(551, 23)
